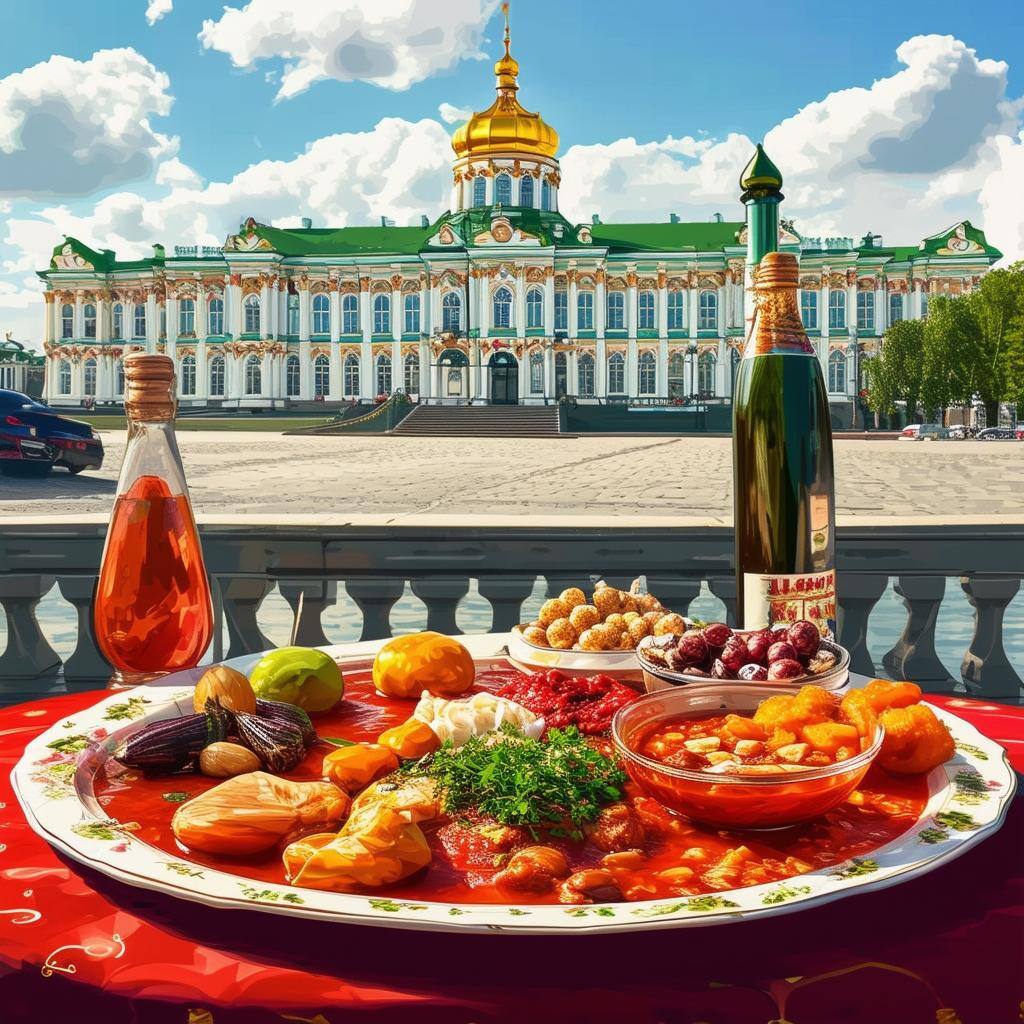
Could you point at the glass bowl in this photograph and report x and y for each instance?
(658, 677)
(731, 801)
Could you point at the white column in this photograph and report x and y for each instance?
(152, 322)
(631, 300)
(662, 311)
(233, 309)
(823, 314)
(436, 318)
(397, 314)
(600, 307)
(549, 371)
(172, 326)
(48, 325)
(305, 371)
(202, 364)
(549, 305)
(305, 302)
(79, 331)
(365, 313)
(600, 368)
(426, 378)
(692, 304)
(722, 321)
(202, 321)
(662, 390)
(573, 309)
(519, 314)
(632, 383)
(426, 310)
(851, 310)
(881, 311)
(489, 191)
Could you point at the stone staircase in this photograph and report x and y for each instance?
(480, 421)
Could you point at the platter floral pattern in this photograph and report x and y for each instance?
(968, 798)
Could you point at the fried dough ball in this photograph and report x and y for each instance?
(615, 621)
(573, 597)
(882, 694)
(915, 740)
(583, 616)
(629, 617)
(628, 602)
(651, 618)
(590, 641)
(606, 600)
(638, 629)
(551, 610)
(535, 635)
(648, 603)
(561, 635)
(672, 623)
(626, 642)
(606, 639)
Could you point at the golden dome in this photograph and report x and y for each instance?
(505, 127)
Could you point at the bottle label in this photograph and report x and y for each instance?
(769, 600)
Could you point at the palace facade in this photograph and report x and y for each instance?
(502, 299)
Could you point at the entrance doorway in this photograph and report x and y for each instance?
(453, 367)
(561, 374)
(504, 373)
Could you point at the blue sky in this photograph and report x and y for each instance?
(656, 114)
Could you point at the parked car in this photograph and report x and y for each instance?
(911, 432)
(1000, 434)
(958, 432)
(34, 438)
(924, 432)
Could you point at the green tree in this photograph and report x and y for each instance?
(946, 374)
(896, 373)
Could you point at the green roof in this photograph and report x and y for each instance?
(701, 236)
(345, 241)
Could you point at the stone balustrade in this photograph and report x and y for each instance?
(374, 558)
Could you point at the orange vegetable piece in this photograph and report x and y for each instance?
(856, 709)
(915, 740)
(779, 712)
(780, 738)
(883, 694)
(815, 704)
(407, 665)
(830, 736)
(410, 740)
(744, 728)
(358, 765)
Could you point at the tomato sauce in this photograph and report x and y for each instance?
(465, 862)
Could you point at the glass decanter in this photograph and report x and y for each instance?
(152, 613)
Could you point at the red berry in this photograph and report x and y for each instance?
(757, 646)
(717, 634)
(781, 651)
(719, 671)
(734, 654)
(693, 647)
(677, 661)
(804, 637)
(753, 673)
(785, 668)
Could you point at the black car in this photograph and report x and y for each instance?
(34, 438)
(1000, 434)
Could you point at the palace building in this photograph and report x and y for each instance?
(501, 300)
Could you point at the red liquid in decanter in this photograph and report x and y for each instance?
(152, 612)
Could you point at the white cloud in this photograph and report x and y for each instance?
(156, 9)
(451, 114)
(70, 128)
(391, 44)
(174, 172)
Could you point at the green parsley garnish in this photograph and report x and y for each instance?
(557, 784)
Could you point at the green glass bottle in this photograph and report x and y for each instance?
(782, 464)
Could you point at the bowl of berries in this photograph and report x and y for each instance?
(709, 652)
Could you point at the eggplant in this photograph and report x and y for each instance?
(276, 742)
(277, 709)
(170, 745)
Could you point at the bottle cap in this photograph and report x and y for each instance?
(777, 270)
(148, 387)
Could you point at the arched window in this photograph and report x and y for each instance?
(350, 314)
(187, 374)
(585, 374)
(89, 314)
(479, 191)
(412, 313)
(351, 375)
(561, 310)
(451, 311)
(253, 376)
(412, 374)
(545, 195)
(616, 374)
(139, 321)
(67, 320)
(837, 372)
(89, 377)
(837, 309)
(382, 314)
(64, 377)
(503, 190)
(534, 308)
(616, 311)
(585, 311)
(118, 377)
(526, 190)
(321, 314)
(809, 308)
(501, 303)
(292, 377)
(252, 314)
(677, 310)
(647, 371)
(186, 316)
(706, 373)
(645, 320)
(321, 376)
(707, 311)
(383, 374)
(536, 373)
(117, 321)
(895, 307)
(215, 317)
(866, 311)
(217, 377)
(291, 314)
(677, 374)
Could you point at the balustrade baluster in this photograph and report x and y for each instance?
(28, 654)
(986, 669)
(241, 597)
(506, 595)
(914, 656)
(86, 665)
(441, 595)
(317, 597)
(858, 595)
(375, 596)
(724, 588)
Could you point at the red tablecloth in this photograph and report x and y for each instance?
(945, 948)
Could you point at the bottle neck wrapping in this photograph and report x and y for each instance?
(777, 326)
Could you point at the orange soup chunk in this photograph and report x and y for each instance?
(779, 712)
(830, 736)
(915, 740)
(815, 704)
(744, 728)
(856, 709)
(882, 694)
